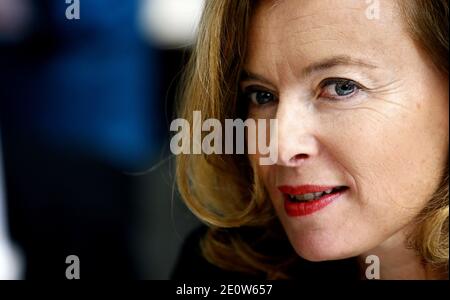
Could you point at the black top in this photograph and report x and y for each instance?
(192, 265)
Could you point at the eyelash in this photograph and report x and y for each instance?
(253, 90)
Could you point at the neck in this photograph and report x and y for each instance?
(397, 261)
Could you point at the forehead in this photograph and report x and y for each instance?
(305, 30)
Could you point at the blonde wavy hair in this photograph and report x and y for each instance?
(223, 190)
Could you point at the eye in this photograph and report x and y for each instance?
(339, 89)
(258, 96)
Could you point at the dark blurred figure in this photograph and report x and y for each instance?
(79, 106)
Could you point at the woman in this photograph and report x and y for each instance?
(360, 184)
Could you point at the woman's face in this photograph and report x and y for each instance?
(358, 105)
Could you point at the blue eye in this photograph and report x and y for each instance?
(337, 89)
(259, 97)
(344, 89)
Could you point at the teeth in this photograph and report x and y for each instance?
(318, 194)
(310, 196)
(307, 197)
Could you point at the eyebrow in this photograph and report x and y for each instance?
(341, 60)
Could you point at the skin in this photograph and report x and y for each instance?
(388, 141)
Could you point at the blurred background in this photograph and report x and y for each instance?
(87, 91)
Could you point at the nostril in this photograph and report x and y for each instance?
(299, 157)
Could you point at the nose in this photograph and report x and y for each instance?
(297, 141)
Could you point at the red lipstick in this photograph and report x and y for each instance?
(295, 208)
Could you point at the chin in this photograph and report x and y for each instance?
(318, 249)
(321, 255)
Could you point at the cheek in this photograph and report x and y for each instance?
(395, 151)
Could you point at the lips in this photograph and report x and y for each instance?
(307, 199)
